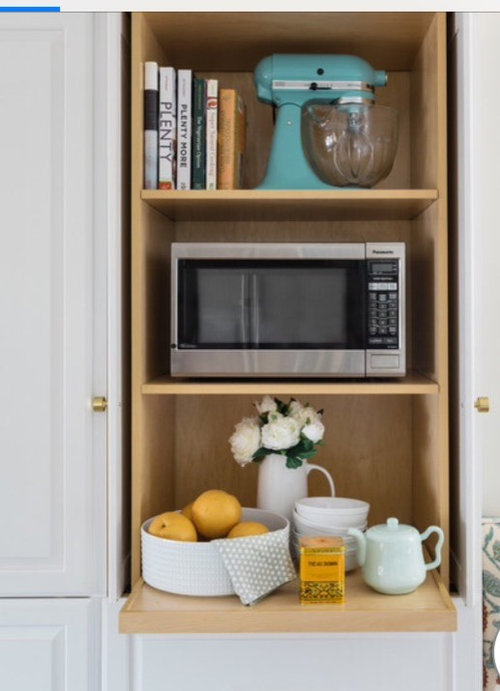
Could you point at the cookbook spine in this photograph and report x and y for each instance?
(151, 125)
(199, 141)
(184, 115)
(167, 125)
(231, 140)
(211, 129)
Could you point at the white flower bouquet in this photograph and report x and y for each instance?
(291, 429)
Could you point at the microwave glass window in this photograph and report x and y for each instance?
(217, 309)
(300, 305)
(271, 304)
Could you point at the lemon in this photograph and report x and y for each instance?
(247, 528)
(215, 512)
(173, 526)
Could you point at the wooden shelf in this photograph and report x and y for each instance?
(429, 608)
(411, 384)
(296, 205)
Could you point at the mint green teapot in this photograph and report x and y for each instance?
(392, 557)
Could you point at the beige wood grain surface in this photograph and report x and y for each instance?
(429, 608)
(287, 205)
(238, 40)
(387, 441)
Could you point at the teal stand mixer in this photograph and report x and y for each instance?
(296, 85)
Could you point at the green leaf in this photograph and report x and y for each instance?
(296, 449)
(282, 407)
(496, 550)
(491, 584)
(307, 444)
(304, 449)
(307, 454)
(293, 462)
(260, 453)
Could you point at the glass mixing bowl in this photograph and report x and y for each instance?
(350, 144)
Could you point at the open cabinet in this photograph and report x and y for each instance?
(386, 441)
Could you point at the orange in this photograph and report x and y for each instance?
(173, 526)
(247, 528)
(215, 512)
(188, 511)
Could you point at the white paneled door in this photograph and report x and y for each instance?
(52, 469)
(44, 645)
(475, 152)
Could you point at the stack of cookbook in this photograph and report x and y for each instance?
(194, 131)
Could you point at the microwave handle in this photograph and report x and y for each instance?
(244, 331)
(254, 310)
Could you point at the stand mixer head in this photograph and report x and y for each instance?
(293, 82)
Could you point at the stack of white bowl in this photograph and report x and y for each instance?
(330, 516)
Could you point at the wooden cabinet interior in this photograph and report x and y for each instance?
(386, 442)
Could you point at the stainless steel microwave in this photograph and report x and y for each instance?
(288, 309)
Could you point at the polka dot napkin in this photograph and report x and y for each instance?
(257, 564)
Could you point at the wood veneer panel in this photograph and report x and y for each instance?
(238, 40)
(430, 288)
(150, 233)
(359, 463)
(429, 608)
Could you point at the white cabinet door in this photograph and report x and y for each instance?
(359, 662)
(52, 471)
(484, 248)
(475, 151)
(44, 645)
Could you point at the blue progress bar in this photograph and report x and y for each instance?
(30, 9)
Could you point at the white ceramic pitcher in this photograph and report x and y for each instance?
(280, 487)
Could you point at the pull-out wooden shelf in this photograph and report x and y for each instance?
(411, 384)
(296, 205)
(429, 608)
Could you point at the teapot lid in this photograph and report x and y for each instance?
(392, 529)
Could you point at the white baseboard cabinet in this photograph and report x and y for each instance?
(49, 644)
(351, 663)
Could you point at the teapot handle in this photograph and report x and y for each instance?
(439, 544)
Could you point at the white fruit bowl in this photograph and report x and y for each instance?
(196, 568)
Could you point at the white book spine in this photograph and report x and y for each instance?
(211, 124)
(151, 125)
(184, 115)
(167, 129)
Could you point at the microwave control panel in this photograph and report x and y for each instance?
(383, 304)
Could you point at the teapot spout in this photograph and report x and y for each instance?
(361, 542)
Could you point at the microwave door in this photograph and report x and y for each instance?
(213, 306)
(254, 310)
